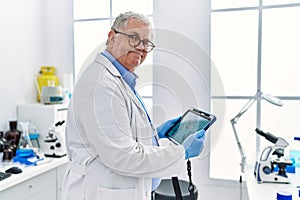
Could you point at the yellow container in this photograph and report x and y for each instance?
(46, 77)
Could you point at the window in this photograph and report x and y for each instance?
(92, 22)
(255, 46)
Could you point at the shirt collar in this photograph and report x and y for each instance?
(129, 78)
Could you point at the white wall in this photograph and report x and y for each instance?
(181, 72)
(32, 33)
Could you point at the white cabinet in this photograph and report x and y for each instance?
(60, 174)
(40, 187)
(35, 183)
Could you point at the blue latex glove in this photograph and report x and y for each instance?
(194, 144)
(162, 129)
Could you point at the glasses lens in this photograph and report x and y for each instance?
(134, 40)
(148, 46)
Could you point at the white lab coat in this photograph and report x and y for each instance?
(109, 141)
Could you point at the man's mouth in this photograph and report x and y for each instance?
(137, 53)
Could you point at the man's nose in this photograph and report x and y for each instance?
(141, 47)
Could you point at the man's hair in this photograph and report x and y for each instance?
(122, 20)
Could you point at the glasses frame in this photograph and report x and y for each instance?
(150, 45)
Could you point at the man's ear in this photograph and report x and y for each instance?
(111, 37)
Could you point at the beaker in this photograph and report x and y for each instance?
(25, 142)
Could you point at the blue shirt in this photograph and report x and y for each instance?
(130, 79)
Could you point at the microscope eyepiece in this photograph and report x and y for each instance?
(268, 136)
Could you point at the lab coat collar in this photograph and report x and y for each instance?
(101, 59)
(129, 77)
(108, 65)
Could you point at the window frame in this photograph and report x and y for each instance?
(258, 109)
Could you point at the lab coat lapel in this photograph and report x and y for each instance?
(133, 97)
(138, 103)
(108, 65)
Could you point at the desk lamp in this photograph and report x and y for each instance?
(259, 95)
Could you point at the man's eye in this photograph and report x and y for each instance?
(146, 44)
(135, 38)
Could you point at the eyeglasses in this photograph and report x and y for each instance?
(135, 41)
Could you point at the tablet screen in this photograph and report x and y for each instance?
(191, 122)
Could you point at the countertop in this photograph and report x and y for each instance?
(268, 191)
(29, 171)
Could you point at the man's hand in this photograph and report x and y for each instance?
(194, 144)
(162, 129)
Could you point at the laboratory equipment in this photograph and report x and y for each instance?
(4, 175)
(24, 142)
(54, 141)
(14, 170)
(295, 151)
(52, 95)
(11, 141)
(13, 135)
(2, 145)
(43, 117)
(46, 77)
(27, 157)
(8, 153)
(271, 156)
(283, 195)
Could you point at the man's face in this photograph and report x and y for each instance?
(119, 47)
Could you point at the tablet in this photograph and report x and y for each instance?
(192, 120)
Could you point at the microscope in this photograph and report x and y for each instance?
(270, 157)
(55, 141)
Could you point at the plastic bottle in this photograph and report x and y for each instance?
(295, 151)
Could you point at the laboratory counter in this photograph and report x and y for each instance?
(42, 181)
(268, 191)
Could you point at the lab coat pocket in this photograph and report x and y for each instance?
(109, 194)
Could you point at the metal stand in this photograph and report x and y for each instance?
(259, 95)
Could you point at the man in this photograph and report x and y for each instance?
(114, 151)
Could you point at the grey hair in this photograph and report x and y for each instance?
(122, 20)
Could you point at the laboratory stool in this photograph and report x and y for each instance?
(165, 190)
